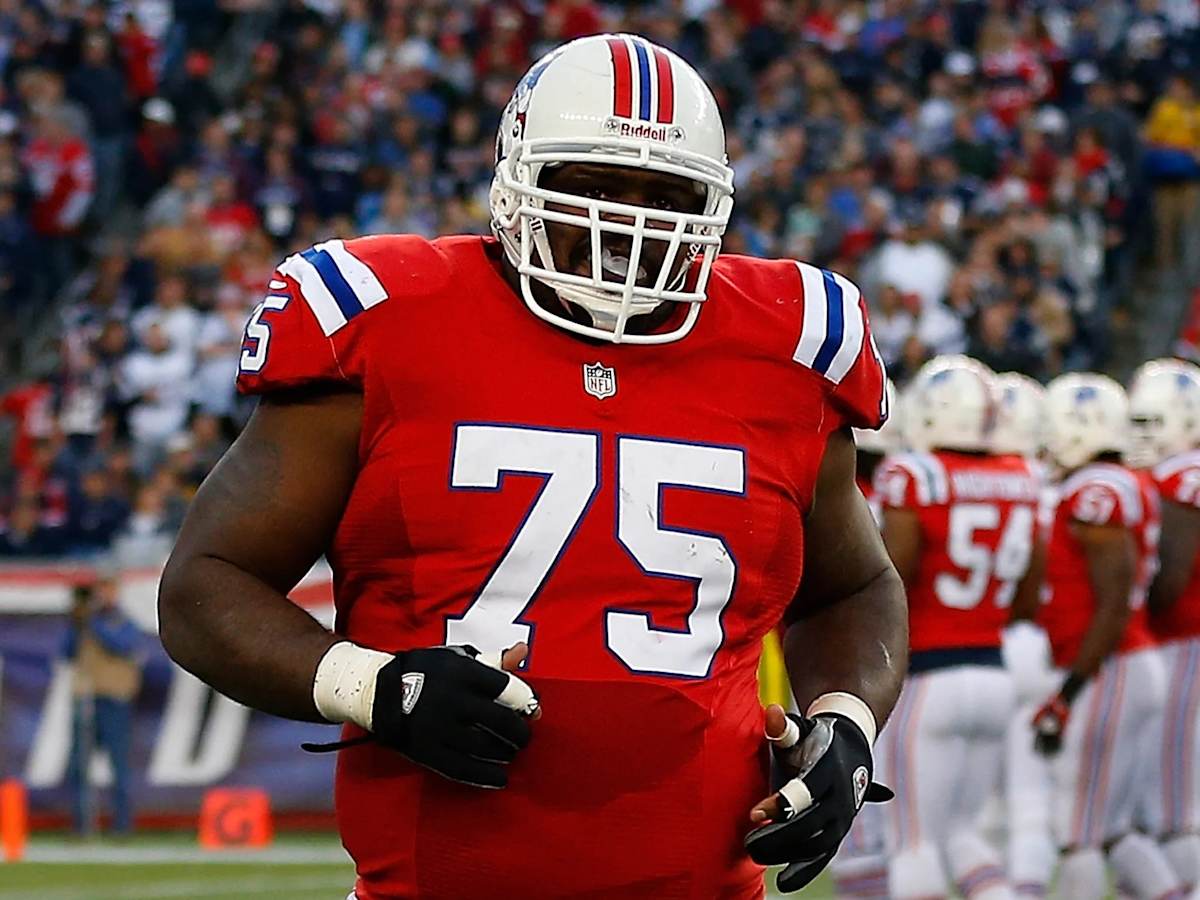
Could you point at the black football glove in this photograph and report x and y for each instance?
(827, 769)
(1049, 723)
(452, 710)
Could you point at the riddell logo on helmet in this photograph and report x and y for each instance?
(632, 128)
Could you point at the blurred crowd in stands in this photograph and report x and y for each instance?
(998, 177)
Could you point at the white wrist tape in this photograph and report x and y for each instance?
(517, 695)
(344, 686)
(853, 708)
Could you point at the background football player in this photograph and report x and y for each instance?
(959, 524)
(1164, 413)
(529, 511)
(1100, 722)
(1032, 853)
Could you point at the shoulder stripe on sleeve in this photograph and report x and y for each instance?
(928, 475)
(1176, 464)
(831, 334)
(335, 284)
(1119, 481)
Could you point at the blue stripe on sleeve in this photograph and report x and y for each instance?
(834, 326)
(644, 79)
(335, 282)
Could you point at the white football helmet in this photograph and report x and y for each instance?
(1020, 412)
(1164, 411)
(889, 438)
(950, 405)
(1086, 415)
(619, 100)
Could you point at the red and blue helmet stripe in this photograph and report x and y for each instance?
(642, 79)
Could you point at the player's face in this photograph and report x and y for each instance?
(571, 245)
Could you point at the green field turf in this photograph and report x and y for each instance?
(309, 867)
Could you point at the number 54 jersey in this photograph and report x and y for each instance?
(634, 513)
(977, 518)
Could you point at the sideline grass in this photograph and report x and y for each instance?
(170, 867)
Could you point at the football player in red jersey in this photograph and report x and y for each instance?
(1100, 724)
(538, 513)
(1032, 852)
(959, 524)
(1164, 412)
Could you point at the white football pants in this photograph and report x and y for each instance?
(1105, 767)
(942, 752)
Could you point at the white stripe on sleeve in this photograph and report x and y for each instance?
(367, 288)
(312, 288)
(816, 315)
(853, 329)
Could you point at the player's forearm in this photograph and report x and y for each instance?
(1177, 555)
(243, 637)
(1112, 586)
(858, 644)
(1167, 588)
(1100, 641)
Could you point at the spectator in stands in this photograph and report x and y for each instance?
(218, 346)
(60, 172)
(150, 529)
(23, 534)
(154, 382)
(97, 514)
(98, 85)
(103, 643)
(171, 310)
(31, 406)
(1173, 165)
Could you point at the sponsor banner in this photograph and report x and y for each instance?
(186, 737)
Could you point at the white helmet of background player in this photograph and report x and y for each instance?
(1086, 415)
(890, 437)
(950, 405)
(1164, 411)
(1020, 414)
(616, 100)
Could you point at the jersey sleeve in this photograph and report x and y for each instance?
(836, 343)
(910, 481)
(1100, 500)
(1178, 480)
(298, 335)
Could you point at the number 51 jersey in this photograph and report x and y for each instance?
(634, 513)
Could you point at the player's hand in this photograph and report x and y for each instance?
(828, 761)
(455, 710)
(1049, 723)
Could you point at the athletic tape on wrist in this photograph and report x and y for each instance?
(853, 708)
(344, 686)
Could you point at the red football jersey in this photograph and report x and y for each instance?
(1098, 494)
(634, 512)
(977, 516)
(1178, 481)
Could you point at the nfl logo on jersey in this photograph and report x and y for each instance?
(599, 380)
